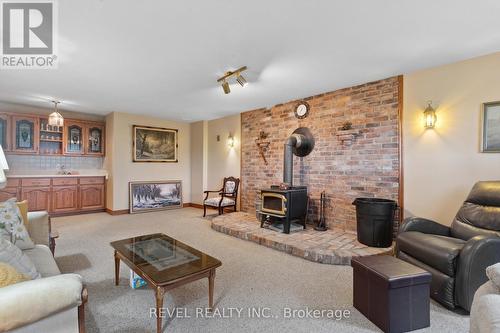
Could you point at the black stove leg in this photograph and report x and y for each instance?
(286, 226)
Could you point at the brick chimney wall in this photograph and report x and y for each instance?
(361, 162)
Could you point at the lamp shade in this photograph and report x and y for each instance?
(56, 119)
(3, 160)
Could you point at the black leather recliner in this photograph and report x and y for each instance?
(456, 256)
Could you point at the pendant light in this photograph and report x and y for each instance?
(55, 118)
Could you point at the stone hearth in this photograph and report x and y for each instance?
(334, 246)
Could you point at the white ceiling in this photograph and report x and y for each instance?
(162, 58)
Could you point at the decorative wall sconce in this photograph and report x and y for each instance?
(230, 141)
(239, 78)
(430, 116)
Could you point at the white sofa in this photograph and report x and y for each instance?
(53, 303)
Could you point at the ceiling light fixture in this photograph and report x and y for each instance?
(239, 78)
(55, 118)
(225, 87)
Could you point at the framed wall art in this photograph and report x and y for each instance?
(154, 195)
(154, 144)
(490, 136)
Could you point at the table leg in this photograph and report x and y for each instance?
(117, 269)
(211, 279)
(160, 293)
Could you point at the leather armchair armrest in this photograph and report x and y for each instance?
(478, 253)
(39, 227)
(424, 225)
(27, 302)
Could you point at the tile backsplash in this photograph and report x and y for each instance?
(22, 162)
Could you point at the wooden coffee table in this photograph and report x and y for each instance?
(165, 263)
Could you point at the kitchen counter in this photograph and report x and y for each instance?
(54, 174)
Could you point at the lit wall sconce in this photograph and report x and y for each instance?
(430, 116)
(230, 141)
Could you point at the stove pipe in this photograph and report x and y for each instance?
(294, 141)
(300, 143)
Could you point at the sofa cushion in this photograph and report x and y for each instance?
(13, 256)
(12, 227)
(493, 273)
(485, 310)
(9, 275)
(44, 262)
(215, 202)
(439, 252)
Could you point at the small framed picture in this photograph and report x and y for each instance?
(490, 136)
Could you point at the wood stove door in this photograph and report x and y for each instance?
(274, 203)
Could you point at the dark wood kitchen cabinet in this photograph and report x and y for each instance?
(91, 197)
(65, 199)
(30, 134)
(39, 198)
(73, 141)
(25, 134)
(94, 133)
(5, 135)
(58, 195)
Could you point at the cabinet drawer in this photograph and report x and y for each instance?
(13, 182)
(91, 180)
(64, 181)
(36, 182)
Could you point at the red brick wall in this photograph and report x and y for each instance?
(369, 167)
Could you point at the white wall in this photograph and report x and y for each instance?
(223, 161)
(442, 164)
(216, 159)
(199, 131)
(123, 170)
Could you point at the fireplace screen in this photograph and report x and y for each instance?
(273, 203)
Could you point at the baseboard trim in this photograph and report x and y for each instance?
(117, 212)
(126, 211)
(195, 205)
(61, 214)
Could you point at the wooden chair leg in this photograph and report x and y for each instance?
(204, 210)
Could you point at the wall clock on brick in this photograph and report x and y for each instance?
(301, 110)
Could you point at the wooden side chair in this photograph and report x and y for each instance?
(228, 196)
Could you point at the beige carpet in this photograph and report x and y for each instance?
(251, 276)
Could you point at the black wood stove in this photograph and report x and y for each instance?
(285, 206)
(282, 208)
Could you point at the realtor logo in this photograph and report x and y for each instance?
(28, 35)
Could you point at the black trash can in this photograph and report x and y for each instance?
(374, 221)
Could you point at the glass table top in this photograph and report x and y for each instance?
(162, 258)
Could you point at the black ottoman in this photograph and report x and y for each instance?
(392, 293)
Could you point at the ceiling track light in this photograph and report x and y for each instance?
(225, 87)
(239, 78)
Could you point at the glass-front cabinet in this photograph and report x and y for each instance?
(33, 135)
(95, 139)
(5, 132)
(73, 138)
(25, 134)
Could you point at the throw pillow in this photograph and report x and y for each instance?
(23, 208)
(9, 275)
(493, 273)
(12, 227)
(12, 255)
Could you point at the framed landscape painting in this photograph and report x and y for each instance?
(155, 144)
(491, 128)
(154, 195)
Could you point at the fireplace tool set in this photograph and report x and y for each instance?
(321, 226)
